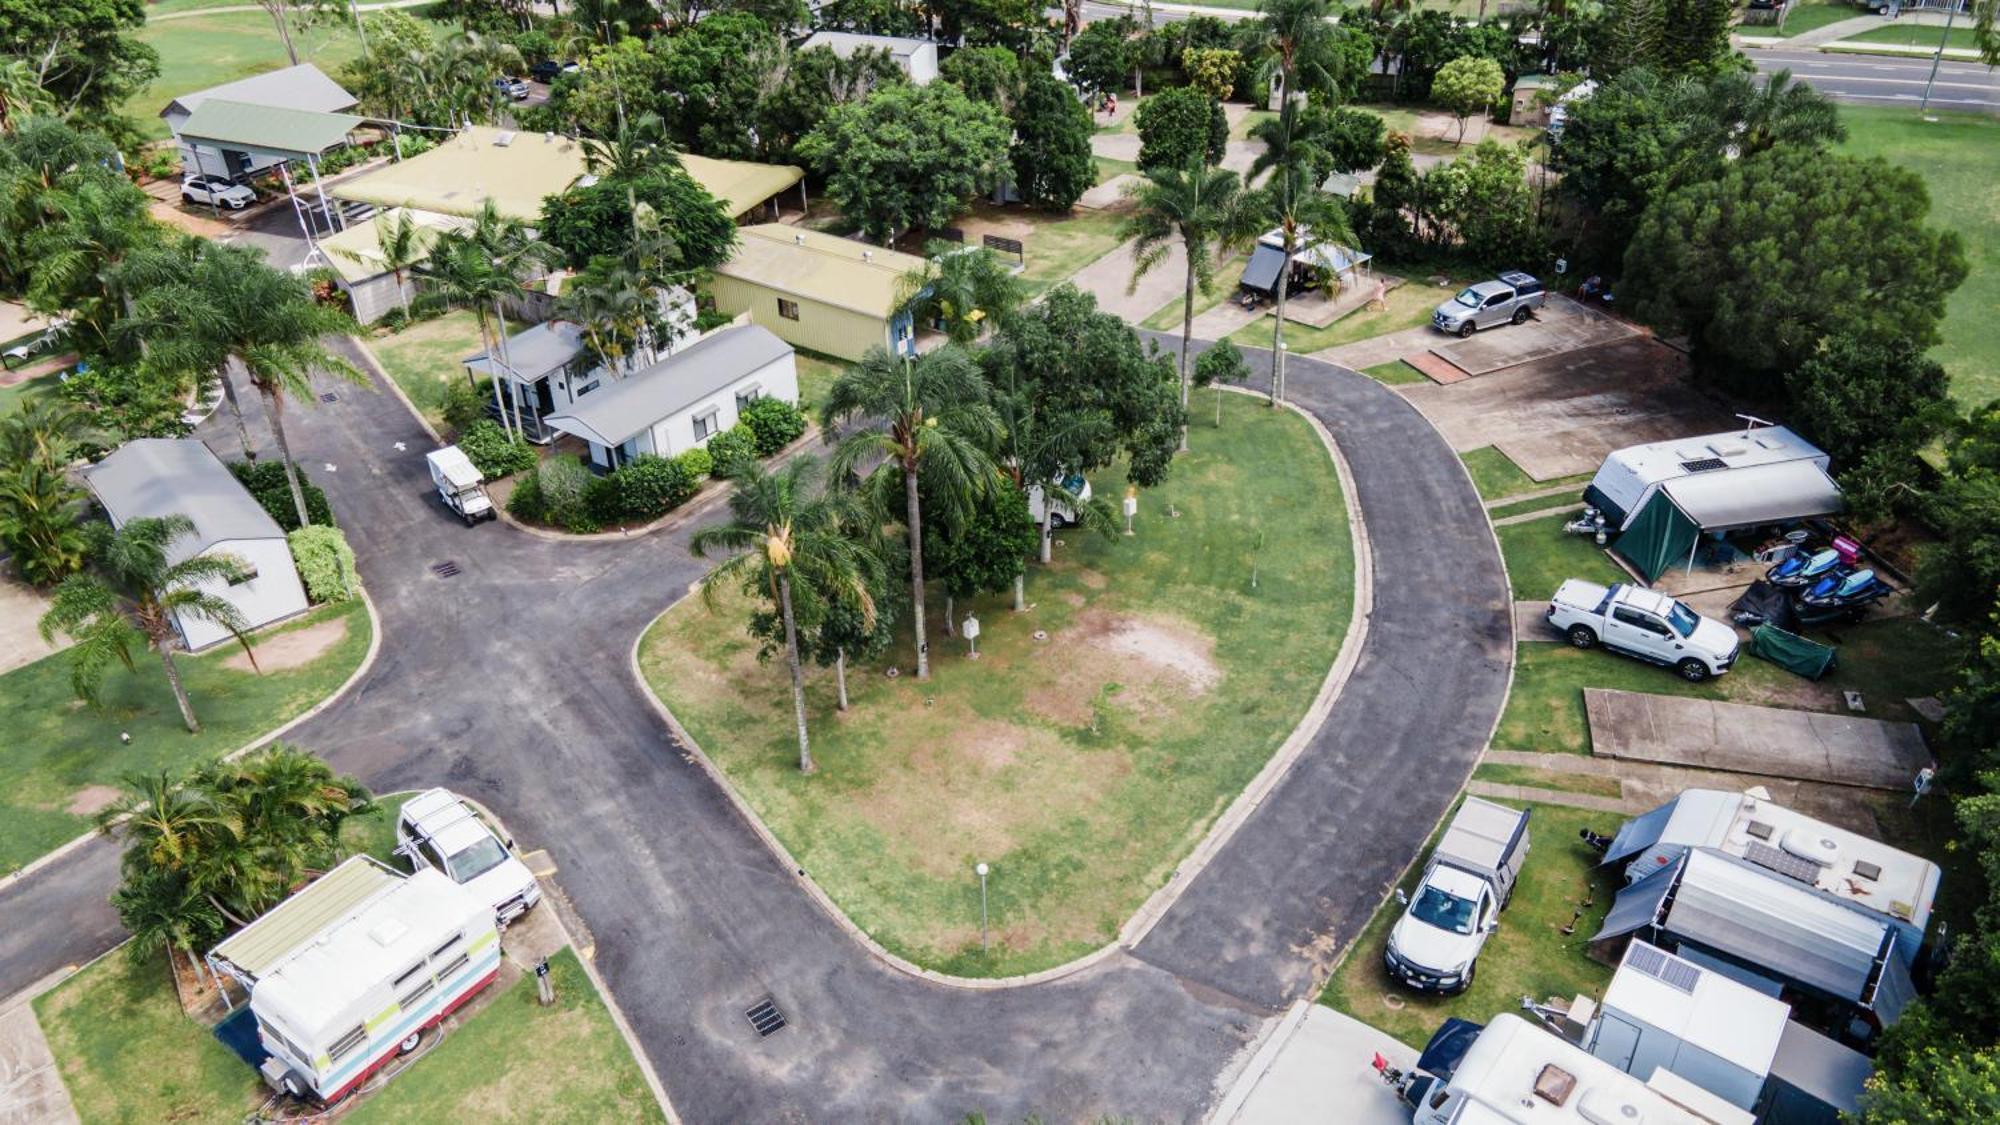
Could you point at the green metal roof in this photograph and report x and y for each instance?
(267, 129)
(268, 941)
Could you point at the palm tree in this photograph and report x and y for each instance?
(163, 910)
(400, 245)
(41, 516)
(1291, 43)
(133, 599)
(792, 545)
(166, 824)
(1292, 202)
(930, 416)
(481, 266)
(21, 94)
(287, 807)
(93, 227)
(1201, 207)
(966, 289)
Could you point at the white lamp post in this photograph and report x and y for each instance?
(971, 630)
(981, 870)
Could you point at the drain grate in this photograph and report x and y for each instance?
(446, 569)
(766, 1017)
(329, 396)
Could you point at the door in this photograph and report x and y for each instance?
(1494, 311)
(1640, 633)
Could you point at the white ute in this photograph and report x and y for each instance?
(1467, 882)
(460, 484)
(438, 830)
(1643, 624)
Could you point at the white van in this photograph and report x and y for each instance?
(1060, 514)
(439, 831)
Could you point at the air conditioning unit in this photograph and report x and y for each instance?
(503, 140)
(1808, 844)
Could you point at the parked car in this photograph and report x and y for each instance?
(1467, 882)
(217, 191)
(1644, 624)
(438, 830)
(548, 70)
(460, 485)
(1060, 514)
(512, 87)
(1509, 299)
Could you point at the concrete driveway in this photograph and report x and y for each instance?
(1773, 741)
(1318, 1066)
(1561, 326)
(510, 682)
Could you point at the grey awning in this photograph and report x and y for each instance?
(534, 353)
(1758, 494)
(1639, 833)
(1817, 1066)
(1262, 272)
(1638, 905)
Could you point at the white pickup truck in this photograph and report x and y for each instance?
(1466, 883)
(1643, 624)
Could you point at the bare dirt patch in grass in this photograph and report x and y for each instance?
(294, 648)
(92, 799)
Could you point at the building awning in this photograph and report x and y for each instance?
(533, 354)
(255, 948)
(741, 185)
(1638, 905)
(1261, 274)
(1755, 494)
(267, 130)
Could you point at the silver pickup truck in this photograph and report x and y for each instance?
(1509, 299)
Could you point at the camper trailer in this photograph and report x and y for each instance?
(351, 971)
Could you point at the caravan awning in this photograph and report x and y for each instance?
(1639, 833)
(1262, 273)
(1638, 905)
(1757, 494)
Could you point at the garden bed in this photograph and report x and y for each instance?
(1082, 767)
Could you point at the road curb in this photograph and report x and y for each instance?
(1160, 901)
(367, 662)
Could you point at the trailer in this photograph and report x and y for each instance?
(350, 972)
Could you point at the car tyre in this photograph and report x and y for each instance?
(1692, 670)
(411, 1043)
(1467, 329)
(1580, 636)
(188, 198)
(1521, 315)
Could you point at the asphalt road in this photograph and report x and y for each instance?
(510, 682)
(1886, 80)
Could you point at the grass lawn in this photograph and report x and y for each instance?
(13, 397)
(1915, 35)
(1527, 956)
(375, 832)
(1504, 773)
(1408, 306)
(1059, 246)
(1395, 373)
(1109, 169)
(816, 375)
(203, 51)
(1887, 661)
(1809, 15)
(1539, 557)
(1565, 501)
(424, 358)
(64, 755)
(1497, 477)
(1955, 156)
(127, 1054)
(1431, 130)
(1082, 768)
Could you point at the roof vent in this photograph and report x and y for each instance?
(1727, 448)
(1807, 844)
(1554, 1084)
(385, 935)
(1866, 870)
(1606, 1107)
(1760, 830)
(503, 140)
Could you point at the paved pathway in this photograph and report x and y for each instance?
(1841, 29)
(1381, 349)
(511, 683)
(31, 1091)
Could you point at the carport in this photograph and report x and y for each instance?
(1670, 526)
(275, 133)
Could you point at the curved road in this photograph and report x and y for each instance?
(510, 682)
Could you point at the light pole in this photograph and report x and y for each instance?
(1950, 14)
(981, 869)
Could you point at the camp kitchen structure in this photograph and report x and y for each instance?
(345, 974)
(209, 141)
(1312, 262)
(1668, 1015)
(1662, 497)
(1867, 874)
(151, 478)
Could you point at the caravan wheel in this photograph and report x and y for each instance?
(406, 1046)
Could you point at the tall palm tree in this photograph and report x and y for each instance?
(1291, 43)
(163, 910)
(1292, 202)
(133, 597)
(966, 289)
(792, 544)
(930, 416)
(488, 262)
(93, 227)
(287, 807)
(1201, 207)
(400, 244)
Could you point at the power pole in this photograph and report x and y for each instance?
(1950, 14)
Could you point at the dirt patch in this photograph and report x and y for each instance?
(1142, 667)
(294, 649)
(1177, 648)
(1092, 579)
(91, 800)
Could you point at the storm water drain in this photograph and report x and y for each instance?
(446, 569)
(766, 1017)
(329, 396)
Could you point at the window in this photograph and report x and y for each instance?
(457, 963)
(430, 854)
(291, 1048)
(748, 395)
(788, 309)
(423, 989)
(446, 947)
(244, 573)
(345, 1045)
(705, 426)
(1638, 620)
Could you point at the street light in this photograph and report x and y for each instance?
(971, 630)
(981, 869)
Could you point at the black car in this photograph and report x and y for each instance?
(548, 70)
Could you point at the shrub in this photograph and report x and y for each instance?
(731, 451)
(266, 481)
(325, 562)
(495, 456)
(774, 424)
(710, 319)
(1221, 363)
(564, 485)
(650, 487)
(698, 462)
(464, 403)
(602, 503)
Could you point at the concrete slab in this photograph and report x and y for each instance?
(31, 1089)
(1560, 416)
(1530, 625)
(533, 936)
(1440, 370)
(1562, 326)
(1108, 193)
(1318, 1068)
(1109, 279)
(21, 609)
(1706, 734)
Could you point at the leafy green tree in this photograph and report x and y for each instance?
(984, 550)
(1670, 36)
(1292, 45)
(1179, 124)
(163, 910)
(1199, 209)
(1941, 1089)
(907, 156)
(619, 82)
(1212, 70)
(1870, 401)
(1051, 155)
(1219, 366)
(1017, 25)
(478, 267)
(85, 53)
(716, 71)
(1785, 249)
(94, 224)
(132, 598)
(1482, 201)
(814, 82)
(874, 17)
(1467, 85)
(963, 289)
(986, 74)
(596, 221)
(21, 94)
(926, 421)
(1100, 57)
(1961, 573)
(790, 547)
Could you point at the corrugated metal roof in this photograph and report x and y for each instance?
(153, 477)
(338, 894)
(303, 86)
(823, 267)
(356, 253)
(617, 413)
(534, 352)
(267, 128)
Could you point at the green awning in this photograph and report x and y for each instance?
(1792, 652)
(267, 130)
(1659, 537)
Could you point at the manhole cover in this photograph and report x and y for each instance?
(446, 569)
(329, 397)
(766, 1017)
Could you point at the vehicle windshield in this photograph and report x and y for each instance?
(477, 860)
(1468, 298)
(1683, 619)
(1445, 911)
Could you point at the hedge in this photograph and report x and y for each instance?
(265, 480)
(731, 451)
(325, 563)
(492, 454)
(774, 423)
